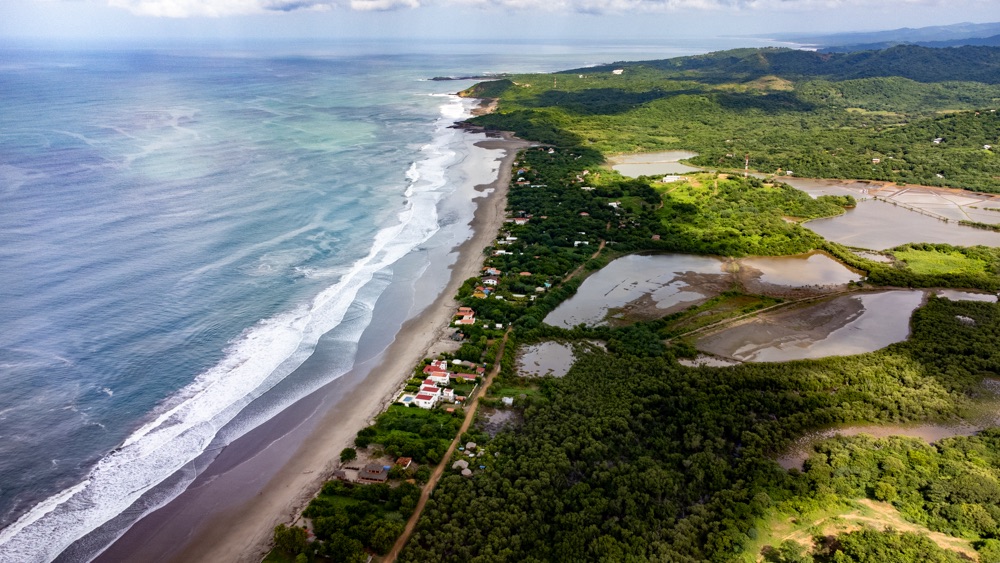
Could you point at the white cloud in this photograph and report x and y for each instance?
(220, 8)
(383, 5)
(189, 8)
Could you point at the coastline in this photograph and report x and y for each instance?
(242, 516)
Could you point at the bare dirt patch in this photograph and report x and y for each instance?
(866, 512)
(496, 420)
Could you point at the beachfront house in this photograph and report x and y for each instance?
(425, 401)
(468, 317)
(492, 280)
(373, 473)
(438, 378)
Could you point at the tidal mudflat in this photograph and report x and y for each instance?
(958, 295)
(546, 358)
(840, 326)
(660, 284)
(672, 281)
(902, 215)
(805, 270)
(705, 360)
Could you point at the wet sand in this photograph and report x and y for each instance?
(267, 476)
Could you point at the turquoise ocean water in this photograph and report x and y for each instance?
(178, 229)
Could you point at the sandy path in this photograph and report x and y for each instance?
(425, 494)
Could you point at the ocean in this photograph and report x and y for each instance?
(183, 227)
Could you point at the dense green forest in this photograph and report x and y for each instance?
(632, 458)
(816, 115)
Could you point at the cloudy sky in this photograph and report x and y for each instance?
(574, 20)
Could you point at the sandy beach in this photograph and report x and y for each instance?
(229, 512)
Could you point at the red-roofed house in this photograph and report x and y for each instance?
(438, 378)
(425, 401)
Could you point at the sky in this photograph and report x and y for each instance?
(530, 20)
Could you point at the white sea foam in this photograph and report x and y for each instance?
(184, 426)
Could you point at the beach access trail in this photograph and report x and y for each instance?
(425, 494)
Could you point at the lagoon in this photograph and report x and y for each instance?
(845, 325)
(653, 164)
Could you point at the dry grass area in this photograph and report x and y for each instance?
(859, 514)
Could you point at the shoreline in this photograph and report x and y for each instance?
(242, 530)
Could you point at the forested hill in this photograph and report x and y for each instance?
(922, 64)
(992, 41)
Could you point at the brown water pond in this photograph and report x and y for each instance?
(546, 358)
(958, 295)
(653, 164)
(878, 224)
(673, 282)
(844, 325)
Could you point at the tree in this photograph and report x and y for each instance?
(348, 454)
(290, 539)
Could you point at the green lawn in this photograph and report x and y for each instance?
(932, 262)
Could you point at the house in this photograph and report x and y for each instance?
(448, 395)
(876, 160)
(480, 370)
(404, 462)
(468, 318)
(617, 71)
(492, 280)
(525, 273)
(490, 272)
(615, 204)
(340, 474)
(433, 370)
(520, 220)
(580, 243)
(987, 147)
(432, 390)
(438, 378)
(460, 464)
(938, 140)
(425, 401)
(508, 401)
(374, 473)
(584, 214)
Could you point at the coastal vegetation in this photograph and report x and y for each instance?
(632, 456)
(907, 114)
